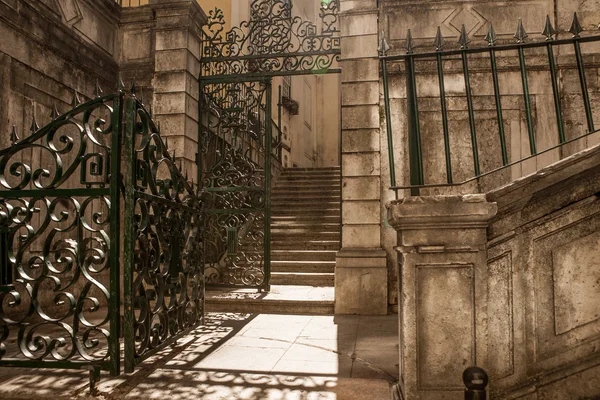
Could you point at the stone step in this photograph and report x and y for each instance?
(303, 255)
(314, 267)
(305, 218)
(281, 299)
(317, 200)
(280, 233)
(306, 244)
(307, 186)
(302, 211)
(312, 225)
(318, 205)
(300, 278)
(314, 180)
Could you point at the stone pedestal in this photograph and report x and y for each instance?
(443, 292)
(360, 276)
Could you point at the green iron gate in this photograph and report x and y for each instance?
(60, 241)
(59, 227)
(236, 144)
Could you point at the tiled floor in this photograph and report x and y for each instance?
(245, 356)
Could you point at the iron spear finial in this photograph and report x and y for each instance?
(409, 43)
(384, 47)
(120, 84)
(54, 113)
(575, 28)
(76, 100)
(549, 30)
(463, 39)
(34, 125)
(491, 36)
(14, 135)
(98, 90)
(439, 40)
(521, 33)
(133, 88)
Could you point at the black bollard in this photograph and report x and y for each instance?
(475, 380)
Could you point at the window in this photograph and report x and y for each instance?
(287, 87)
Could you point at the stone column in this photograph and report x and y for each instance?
(443, 269)
(177, 67)
(361, 272)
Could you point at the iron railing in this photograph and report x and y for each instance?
(488, 58)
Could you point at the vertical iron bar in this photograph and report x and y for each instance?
(115, 239)
(199, 145)
(388, 121)
(129, 241)
(440, 66)
(555, 91)
(471, 111)
(499, 107)
(584, 88)
(527, 100)
(6, 267)
(280, 148)
(268, 140)
(414, 129)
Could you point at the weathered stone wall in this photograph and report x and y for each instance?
(423, 18)
(507, 281)
(543, 282)
(49, 49)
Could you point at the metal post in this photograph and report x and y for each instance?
(6, 267)
(268, 140)
(476, 381)
(414, 131)
(388, 121)
(279, 138)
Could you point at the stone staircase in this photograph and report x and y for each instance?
(305, 236)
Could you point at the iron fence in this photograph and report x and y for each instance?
(493, 60)
(131, 3)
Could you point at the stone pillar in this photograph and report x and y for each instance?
(361, 272)
(443, 292)
(177, 67)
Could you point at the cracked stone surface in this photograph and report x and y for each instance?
(245, 356)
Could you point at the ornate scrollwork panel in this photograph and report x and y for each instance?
(167, 274)
(234, 182)
(56, 257)
(273, 41)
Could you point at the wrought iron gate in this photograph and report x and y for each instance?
(236, 145)
(236, 177)
(59, 226)
(163, 279)
(60, 233)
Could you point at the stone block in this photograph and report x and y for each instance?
(360, 212)
(360, 70)
(361, 236)
(136, 44)
(357, 5)
(361, 188)
(171, 60)
(171, 39)
(359, 46)
(360, 93)
(170, 103)
(361, 282)
(360, 117)
(356, 24)
(360, 164)
(360, 140)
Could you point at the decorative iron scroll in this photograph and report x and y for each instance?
(58, 225)
(235, 177)
(272, 42)
(167, 281)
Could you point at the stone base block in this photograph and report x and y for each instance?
(361, 278)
